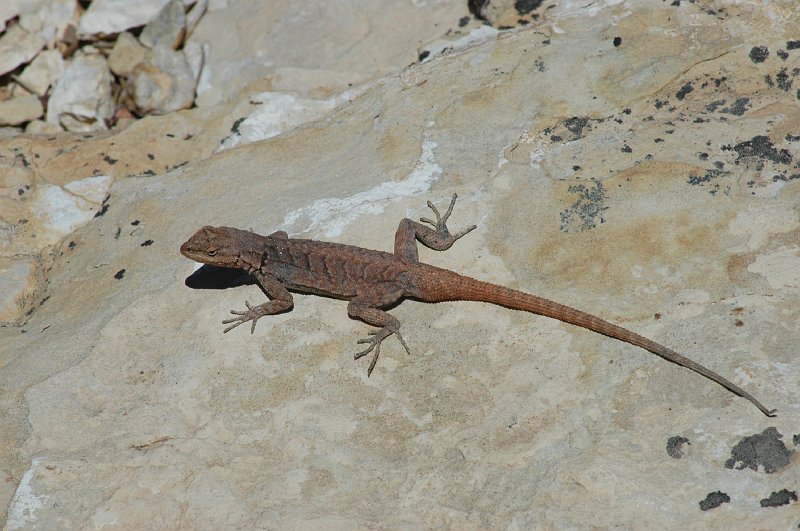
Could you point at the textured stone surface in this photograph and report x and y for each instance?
(18, 46)
(638, 162)
(82, 99)
(15, 111)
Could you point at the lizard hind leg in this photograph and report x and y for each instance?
(438, 238)
(367, 307)
(441, 222)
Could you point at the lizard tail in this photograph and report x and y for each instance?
(458, 287)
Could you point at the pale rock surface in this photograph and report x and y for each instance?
(42, 72)
(126, 54)
(82, 99)
(167, 29)
(358, 38)
(15, 111)
(163, 82)
(653, 182)
(49, 18)
(105, 17)
(18, 46)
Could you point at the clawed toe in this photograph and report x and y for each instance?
(247, 315)
(441, 221)
(375, 344)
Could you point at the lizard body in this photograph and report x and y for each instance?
(373, 280)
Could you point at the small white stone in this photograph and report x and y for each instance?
(163, 84)
(17, 47)
(19, 110)
(126, 54)
(42, 72)
(113, 16)
(81, 99)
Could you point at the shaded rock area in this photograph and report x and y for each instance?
(640, 161)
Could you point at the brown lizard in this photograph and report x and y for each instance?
(374, 280)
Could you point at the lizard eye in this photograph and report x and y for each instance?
(212, 252)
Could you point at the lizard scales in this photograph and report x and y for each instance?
(373, 280)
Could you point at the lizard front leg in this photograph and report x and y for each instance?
(281, 301)
(438, 239)
(366, 306)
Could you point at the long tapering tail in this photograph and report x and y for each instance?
(453, 286)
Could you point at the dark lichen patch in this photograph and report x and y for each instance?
(784, 177)
(686, 89)
(524, 7)
(759, 54)
(587, 211)
(714, 500)
(763, 449)
(675, 446)
(707, 178)
(103, 209)
(792, 45)
(738, 107)
(761, 147)
(782, 497)
(119, 275)
(783, 80)
(576, 125)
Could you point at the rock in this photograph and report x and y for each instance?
(653, 182)
(167, 29)
(82, 99)
(42, 72)
(126, 54)
(105, 17)
(195, 14)
(8, 10)
(19, 110)
(39, 127)
(163, 82)
(17, 47)
(61, 209)
(19, 283)
(195, 56)
(275, 114)
(506, 13)
(50, 18)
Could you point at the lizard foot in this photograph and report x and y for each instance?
(375, 344)
(251, 314)
(441, 221)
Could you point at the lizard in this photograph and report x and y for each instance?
(374, 280)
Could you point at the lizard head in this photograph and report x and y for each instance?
(219, 246)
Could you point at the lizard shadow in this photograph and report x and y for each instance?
(215, 277)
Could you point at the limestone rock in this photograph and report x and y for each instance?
(19, 110)
(167, 29)
(17, 47)
(82, 99)
(163, 82)
(126, 54)
(42, 72)
(105, 17)
(638, 160)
